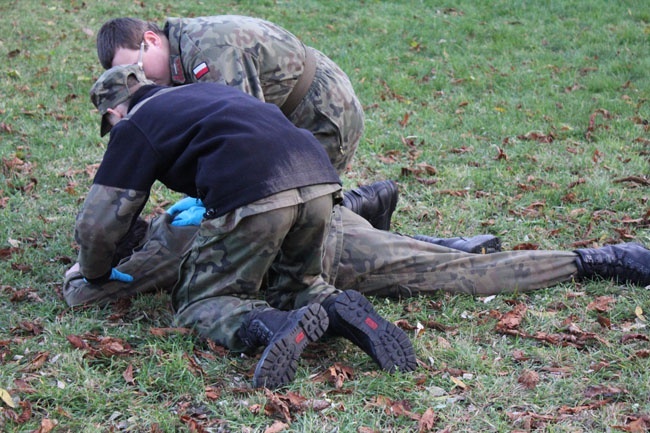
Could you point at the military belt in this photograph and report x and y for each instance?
(302, 85)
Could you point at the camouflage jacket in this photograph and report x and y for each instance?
(267, 61)
(253, 55)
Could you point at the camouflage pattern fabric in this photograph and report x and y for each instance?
(222, 273)
(153, 265)
(104, 219)
(265, 61)
(357, 256)
(379, 263)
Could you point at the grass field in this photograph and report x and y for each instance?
(528, 120)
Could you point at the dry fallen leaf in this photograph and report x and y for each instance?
(427, 421)
(528, 379)
(6, 398)
(276, 427)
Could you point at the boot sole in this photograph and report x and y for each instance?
(279, 361)
(386, 344)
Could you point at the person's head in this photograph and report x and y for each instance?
(125, 41)
(112, 92)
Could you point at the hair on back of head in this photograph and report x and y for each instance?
(122, 32)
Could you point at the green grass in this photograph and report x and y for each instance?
(462, 83)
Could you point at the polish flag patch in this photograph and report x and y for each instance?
(200, 70)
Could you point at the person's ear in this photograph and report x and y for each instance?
(152, 38)
(115, 115)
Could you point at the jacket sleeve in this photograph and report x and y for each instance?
(226, 65)
(106, 216)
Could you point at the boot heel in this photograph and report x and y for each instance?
(353, 317)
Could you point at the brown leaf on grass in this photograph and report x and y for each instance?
(276, 427)
(194, 367)
(298, 403)
(217, 349)
(462, 149)
(519, 356)
(26, 327)
(37, 362)
(23, 386)
(6, 253)
(592, 121)
(128, 375)
(537, 136)
(405, 120)
(501, 154)
(628, 337)
(641, 354)
(427, 421)
(77, 342)
(601, 304)
(212, 393)
(276, 407)
(100, 347)
(193, 425)
(110, 346)
(528, 379)
(604, 391)
(641, 180)
(577, 409)
(635, 424)
(597, 156)
(394, 407)
(25, 413)
(454, 193)
(388, 93)
(527, 246)
(336, 375)
(512, 319)
(605, 322)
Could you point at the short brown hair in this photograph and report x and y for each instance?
(121, 33)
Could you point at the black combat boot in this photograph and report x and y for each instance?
(375, 202)
(628, 263)
(285, 335)
(353, 317)
(481, 244)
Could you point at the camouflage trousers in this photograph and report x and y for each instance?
(222, 273)
(357, 256)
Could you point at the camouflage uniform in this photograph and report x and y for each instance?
(220, 274)
(266, 61)
(357, 256)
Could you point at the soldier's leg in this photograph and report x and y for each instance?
(153, 266)
(223, 271)
(296, 276)
(387, 264)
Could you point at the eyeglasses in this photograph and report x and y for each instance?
(141, 56)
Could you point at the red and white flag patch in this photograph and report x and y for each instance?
(200, 70)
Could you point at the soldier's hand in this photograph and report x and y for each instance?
(183, 205)
(189, 217)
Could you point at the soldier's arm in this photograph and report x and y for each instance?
(227, 65)
(105, 218)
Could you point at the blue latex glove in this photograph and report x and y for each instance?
(183, 205)
(189, 217)
(120, 276)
